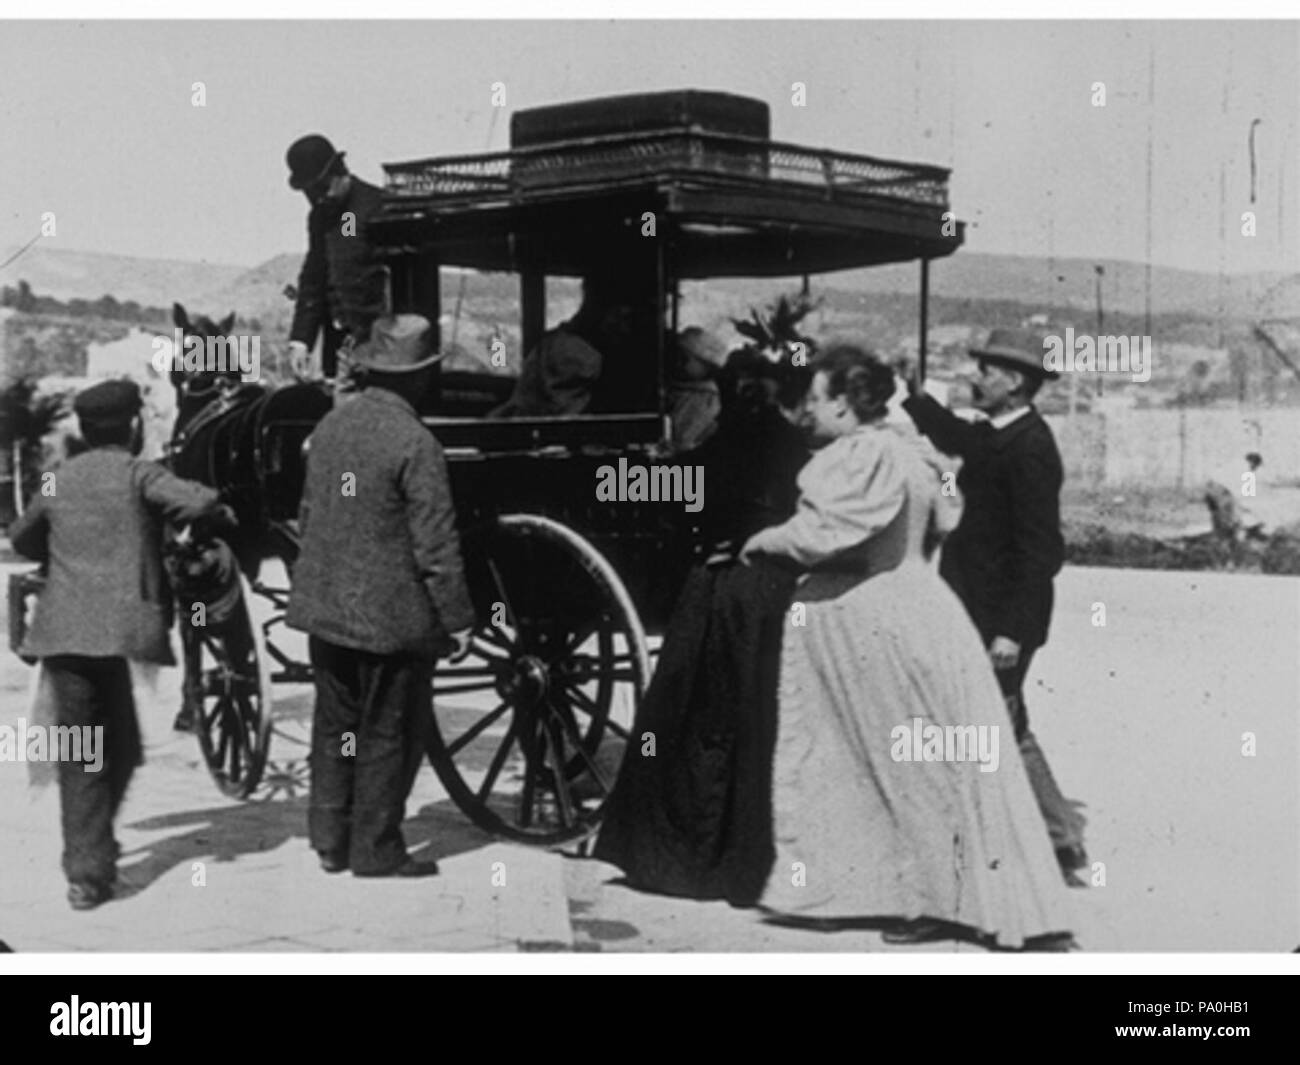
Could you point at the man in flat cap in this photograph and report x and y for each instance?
(96, 524)
(380, 590)
(342, 288)
(1001, 558)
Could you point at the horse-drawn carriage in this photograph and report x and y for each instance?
(665, 188)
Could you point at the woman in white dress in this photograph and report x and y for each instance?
(886, 804)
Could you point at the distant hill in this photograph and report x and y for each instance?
(1071, 282)
(54, 271)
(1201, 353)
(1026, 281)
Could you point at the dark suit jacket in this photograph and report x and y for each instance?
(557, 378)
(1001, 558)
(380, 568)
(101, 534)
(342, 280)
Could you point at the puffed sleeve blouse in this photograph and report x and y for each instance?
(848, 492)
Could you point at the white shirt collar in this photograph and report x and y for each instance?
(1005, 419)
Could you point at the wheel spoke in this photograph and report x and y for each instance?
(224, 743)
(563, 798)
(528, 744)
(474, 730)
(250, 719)
(599, 673)
(579, 638)
(211, 719)
(626, 656)
(582, 701)
(494, 637)
(570, 727)
(511, 616)
(236, 745)
(488, 651)
(498, 760)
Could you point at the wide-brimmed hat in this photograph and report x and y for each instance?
(309, 160)
(113, 402)
(1019, 349)
(399, 343)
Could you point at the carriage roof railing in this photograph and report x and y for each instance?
(646, 155)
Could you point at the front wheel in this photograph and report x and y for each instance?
(530, 729)
(227, 688)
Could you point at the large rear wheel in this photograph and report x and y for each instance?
(530, 729)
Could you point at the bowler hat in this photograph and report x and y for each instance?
(113, 402)
(1019, 349)
(399, 343)
(309, 159)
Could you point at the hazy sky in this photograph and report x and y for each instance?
(98, 126)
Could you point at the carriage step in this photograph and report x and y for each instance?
(294, 673)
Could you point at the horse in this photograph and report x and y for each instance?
(196, 389)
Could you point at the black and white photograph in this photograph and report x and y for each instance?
(647, 486)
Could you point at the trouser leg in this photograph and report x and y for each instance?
(334, 739)
(123, 748)
(91, 693)
(1064, 822)
(396, 704)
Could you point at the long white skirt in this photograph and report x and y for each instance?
(861, 832)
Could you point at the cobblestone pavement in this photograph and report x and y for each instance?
(1142, 719)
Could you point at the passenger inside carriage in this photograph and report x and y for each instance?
(592, 363)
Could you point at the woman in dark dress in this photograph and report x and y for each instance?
(692, 815)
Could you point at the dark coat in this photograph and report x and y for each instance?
(380, 568)
(557, 377)
(342, 279)
(696, 818)
(1002, 556)
(106, 594)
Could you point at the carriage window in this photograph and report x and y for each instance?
(480, 326)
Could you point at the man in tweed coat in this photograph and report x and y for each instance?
(1007, 548)
(380, 589)
(97, 524)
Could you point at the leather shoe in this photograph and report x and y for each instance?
(408, 868)
(1071, 860)
(411, 867)
(923, 930)
(331, 864)
(87, 894)
(1059, 943)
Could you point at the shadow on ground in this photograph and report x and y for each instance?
(225, 833)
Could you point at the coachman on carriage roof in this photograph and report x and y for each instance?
(343, 287)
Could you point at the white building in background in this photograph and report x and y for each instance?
(132, 357)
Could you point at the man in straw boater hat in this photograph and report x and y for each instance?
(1001, 558)
(106, 602)
(343, 286)
(379, 588)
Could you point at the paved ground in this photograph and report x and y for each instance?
(1142, 719)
